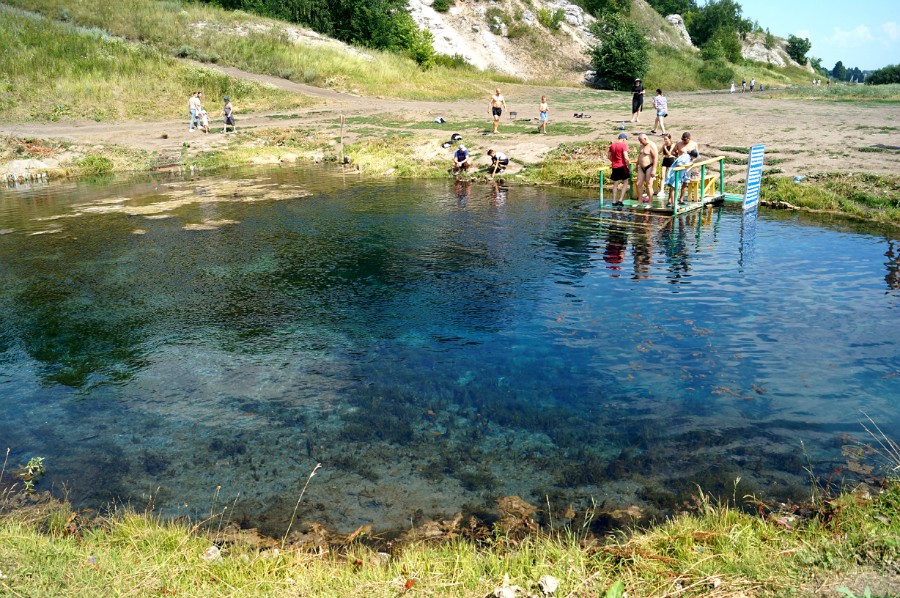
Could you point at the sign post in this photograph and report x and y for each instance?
(754, 177)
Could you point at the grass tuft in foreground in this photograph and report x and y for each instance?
(850, 541)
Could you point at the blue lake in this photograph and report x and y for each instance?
(207, 341)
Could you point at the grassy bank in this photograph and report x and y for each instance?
(46, 549)
(841, 92)
(210, 34)
(53, 71)
(866, 196)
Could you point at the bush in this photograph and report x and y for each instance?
(715, 73)
(883, 76)
(94, 165)
(622, 54)
(442, 5)
(551, 19)
(797, 48)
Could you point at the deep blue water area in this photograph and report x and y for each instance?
(207, 341)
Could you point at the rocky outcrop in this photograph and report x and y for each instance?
(754, 48)
(678, 24)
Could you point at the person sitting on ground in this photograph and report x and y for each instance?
(461, 160)
(646, 168)
(662, 111)
(621, 173)
(499, 161)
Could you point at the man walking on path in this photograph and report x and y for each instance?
(637, 100)
(228, 111)
(662, 111)
(194, 106)
(621, 173)
(496, 106)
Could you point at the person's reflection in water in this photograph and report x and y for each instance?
(643, 247)
(462, 193)
(616, 242)
(893, 266)
(498, 194)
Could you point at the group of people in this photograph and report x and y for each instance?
(674, 155)
(200, 117)
(462, 161)
(660, 104)
(744, 85)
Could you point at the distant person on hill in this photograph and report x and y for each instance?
(637, 100)
(621, 172)
(752, 84)
(544, 110)
(496, 107)
(194, 107)
(499, 161)
(204, 120)
(461, 160)
(228, 112)
(646, 168)
(732, 87)
(662, 111)
(743, 85)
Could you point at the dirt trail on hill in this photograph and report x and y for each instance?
(802, 137)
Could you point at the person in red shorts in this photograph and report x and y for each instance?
(621, 172)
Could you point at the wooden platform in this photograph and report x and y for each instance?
(658, 206)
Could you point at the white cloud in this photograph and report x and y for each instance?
(858, 36)
(892, 30)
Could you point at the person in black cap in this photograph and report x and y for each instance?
(637, 100)
(228, 111)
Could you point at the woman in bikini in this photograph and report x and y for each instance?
(646, 168)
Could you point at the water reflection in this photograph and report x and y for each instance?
(435, 345)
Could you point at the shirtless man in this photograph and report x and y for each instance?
(646, 168)
(496, 107)
(686, 144)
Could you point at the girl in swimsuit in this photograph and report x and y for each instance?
(668, 158)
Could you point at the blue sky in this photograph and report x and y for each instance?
(861, 33)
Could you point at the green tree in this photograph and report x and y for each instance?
(816, 63)
(703, 23)
(797, 48)
(673, 7)
(839, 72)
(724, 44)
(884, 76)
(598, 8)
(770, 40)
(622, 54)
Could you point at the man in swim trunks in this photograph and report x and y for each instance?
(621, 173)
(686, 144)
(461, 160)
(544, 110)
(637, 100)
(496, 106)
(646, 168)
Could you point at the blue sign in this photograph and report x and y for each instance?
(754, 176)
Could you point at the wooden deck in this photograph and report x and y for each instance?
(658, 206)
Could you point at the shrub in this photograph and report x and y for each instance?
(888, 74)
(442, 5)
(797, 48)
(94, 165)
(622, 54)
(715, 73)
(551, 19)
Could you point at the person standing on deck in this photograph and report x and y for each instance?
(496, 107)
(637, 100)
(646, 168)
(621, 173)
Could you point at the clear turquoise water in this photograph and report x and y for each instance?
(434, 347)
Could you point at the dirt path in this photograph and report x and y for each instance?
(802, 137)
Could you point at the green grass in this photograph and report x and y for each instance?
(886, 150)
(716, 549)
(208, 33)
(842, 92)
(51, 71)
(869, 196)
